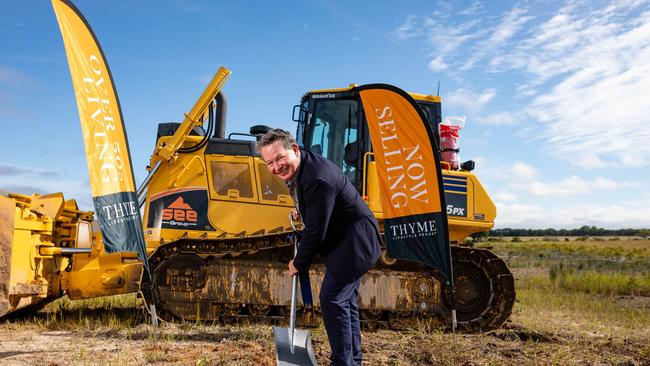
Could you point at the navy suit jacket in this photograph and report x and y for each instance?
(338, 224)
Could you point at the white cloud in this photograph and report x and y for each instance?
(29, 180)
(522, 172)
(475, 9)
(510, 24)
(629, 214)
(21, 172)
(583, 74)
(438, 64)
(409, 29)
(445, 39)
(606, 184)
(504, 197)
(593, 114)
(568, 187)
(486, 96)
(499, 35)
(586, 160)
(525, 181)
(470, 100)
(498, 119)
(78, 190)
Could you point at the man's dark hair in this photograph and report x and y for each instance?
(276, 134)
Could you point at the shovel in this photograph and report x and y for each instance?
(293, 346)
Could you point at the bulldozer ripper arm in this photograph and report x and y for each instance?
(167, 152)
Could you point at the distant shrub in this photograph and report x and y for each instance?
(616, 238)
(555, 271)
(582, 238)
(516, 239)
(567, 239)
(581, 278)
(622, 256)
(550, 238)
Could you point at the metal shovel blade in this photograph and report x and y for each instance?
(303, 353)
(293, 346)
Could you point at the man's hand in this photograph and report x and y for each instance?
(295, 215)
(292, 269)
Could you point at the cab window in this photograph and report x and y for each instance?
(231, 177)
(271, 185)
(333, 133)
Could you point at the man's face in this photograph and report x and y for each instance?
(282, 162)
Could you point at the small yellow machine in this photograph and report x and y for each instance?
(47, 250)
(215, 223)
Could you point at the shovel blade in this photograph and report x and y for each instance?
(303, 353)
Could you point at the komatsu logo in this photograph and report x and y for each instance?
(323, 96)
(412, 230)
(179, 213)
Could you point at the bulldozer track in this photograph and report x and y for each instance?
(184, 271)
(485, 289)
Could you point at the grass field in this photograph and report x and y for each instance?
(581, 302)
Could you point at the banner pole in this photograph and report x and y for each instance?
(152, 306)
(454, 322)
(452, 288)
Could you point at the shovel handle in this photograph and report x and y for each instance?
(292, 315)
(294, 289)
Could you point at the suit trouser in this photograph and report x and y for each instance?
(338, 301)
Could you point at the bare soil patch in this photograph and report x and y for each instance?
(550, 325)
(253, 345)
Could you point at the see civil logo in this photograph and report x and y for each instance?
(180, 213)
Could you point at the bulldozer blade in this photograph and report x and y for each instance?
(303, 353)
(7, 216)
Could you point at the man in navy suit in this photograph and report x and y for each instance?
(338, 226)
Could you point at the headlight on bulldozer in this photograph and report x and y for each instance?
(84, 237)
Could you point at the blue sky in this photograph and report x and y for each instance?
(555, 92)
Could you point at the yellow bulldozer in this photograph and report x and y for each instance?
(217, 230)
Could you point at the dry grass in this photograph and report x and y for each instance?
(577, 314)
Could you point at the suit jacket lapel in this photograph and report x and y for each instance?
(301, 202)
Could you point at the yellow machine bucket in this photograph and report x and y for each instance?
(48, 250)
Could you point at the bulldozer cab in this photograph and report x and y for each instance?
(332, 123)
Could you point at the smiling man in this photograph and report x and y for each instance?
(338, 226)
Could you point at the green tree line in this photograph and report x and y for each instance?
(582, 231)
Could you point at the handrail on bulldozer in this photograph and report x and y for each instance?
(365, 172)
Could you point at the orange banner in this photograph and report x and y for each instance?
(410, 177)
(403, 154)
(107, 153)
